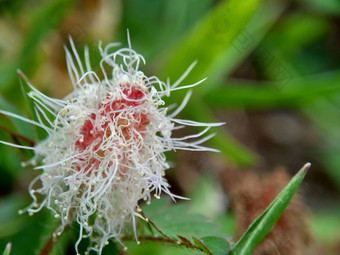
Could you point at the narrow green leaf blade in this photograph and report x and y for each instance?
(8, 248)
(262, 225)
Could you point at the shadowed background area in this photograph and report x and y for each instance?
(273, 76)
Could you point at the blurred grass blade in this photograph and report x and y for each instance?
(210, 37)
(222, 39)
(46, 18)
(262, 225)
(322, 111)
(330, 7)
(38, 133)
(324, 114)
(216, 43)
(247, 39)
(296, 32)
(8, 248)
(265, 95)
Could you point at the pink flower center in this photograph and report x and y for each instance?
(130, 124)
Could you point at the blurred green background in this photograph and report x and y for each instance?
(273, 73)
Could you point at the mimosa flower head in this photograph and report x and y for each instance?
(105, 144)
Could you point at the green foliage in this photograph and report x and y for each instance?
(175, 224)
(155, 247)
(217, 43)
(213, 245)
(45, 19)
(262, 224)
(8, 248)
(265, 95)
(27, 234)
(325, 6)
(291, 65)
(325, 225)
(214, 34)
(177, 220)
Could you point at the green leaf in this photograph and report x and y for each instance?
(262, 224)
(265, 95)
(10, 222)
(28, 234)
(8, 248)
(153, 247)
(174, 220)
(175, 224)
(213, 245)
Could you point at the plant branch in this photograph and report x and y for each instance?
(165, 238)
(17, 136)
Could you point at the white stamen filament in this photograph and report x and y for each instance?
(105, 146)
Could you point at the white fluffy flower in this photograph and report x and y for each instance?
(105, 146)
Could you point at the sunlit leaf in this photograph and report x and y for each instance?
(210, 38)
